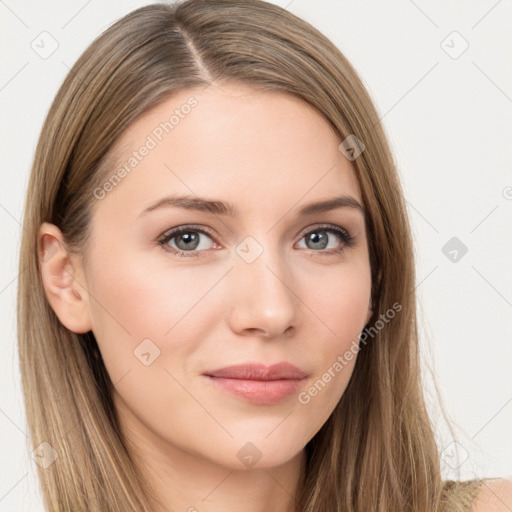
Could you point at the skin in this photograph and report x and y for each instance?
(495, 496)
(294, 302)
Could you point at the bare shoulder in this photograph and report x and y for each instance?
(495, 495)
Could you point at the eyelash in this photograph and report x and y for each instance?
(347, 239)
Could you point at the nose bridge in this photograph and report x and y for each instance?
(264, 298)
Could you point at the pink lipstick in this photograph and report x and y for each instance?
(257, 383)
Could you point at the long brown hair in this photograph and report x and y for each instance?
(377, 451)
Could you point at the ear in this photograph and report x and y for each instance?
(63, 280)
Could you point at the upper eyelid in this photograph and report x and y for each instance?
(176, 230)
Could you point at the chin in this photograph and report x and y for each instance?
(263, 454)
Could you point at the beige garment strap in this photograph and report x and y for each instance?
(458, 496)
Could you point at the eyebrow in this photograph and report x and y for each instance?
(219, 207)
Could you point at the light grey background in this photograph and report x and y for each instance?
(448, 118)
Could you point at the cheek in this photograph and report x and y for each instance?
(148, 322)
(341, 307)
(132, 301)
(340, 300)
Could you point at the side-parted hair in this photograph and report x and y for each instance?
(377, 451)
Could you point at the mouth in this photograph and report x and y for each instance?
(257, 383)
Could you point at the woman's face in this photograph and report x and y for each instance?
(264, 285)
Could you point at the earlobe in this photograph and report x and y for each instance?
(63, 280)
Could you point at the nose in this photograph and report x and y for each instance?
(263, 300)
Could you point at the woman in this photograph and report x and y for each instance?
(218, 306)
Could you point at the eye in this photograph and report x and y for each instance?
(319, 239)
(188, 239)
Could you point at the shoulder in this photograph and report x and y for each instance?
(494, 495)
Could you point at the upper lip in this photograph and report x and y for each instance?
(256, 371)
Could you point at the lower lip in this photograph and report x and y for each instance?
(259, 391)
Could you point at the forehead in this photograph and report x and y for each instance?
(250, 147)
